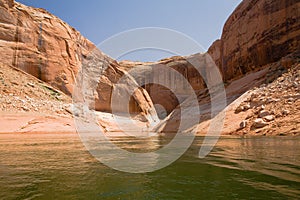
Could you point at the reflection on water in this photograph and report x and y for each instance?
(278, 157)
(275, 157)
(58, 167)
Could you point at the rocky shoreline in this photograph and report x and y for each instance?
(258, 59)
(273, 109)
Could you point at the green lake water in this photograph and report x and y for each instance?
(57, 166)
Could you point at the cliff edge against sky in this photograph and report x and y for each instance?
(259, 45)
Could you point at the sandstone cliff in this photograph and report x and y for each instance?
(257, 33)
(260, 41)
(166, 88)
(41, 44)
(44, 46)
(265, 102)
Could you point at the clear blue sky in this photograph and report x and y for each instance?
(98, 20)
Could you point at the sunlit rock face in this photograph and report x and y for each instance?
(171, 81)
(257, 33)
(44, 46)
(41, 44)
(7, 3)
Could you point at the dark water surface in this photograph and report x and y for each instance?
(54, 166)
